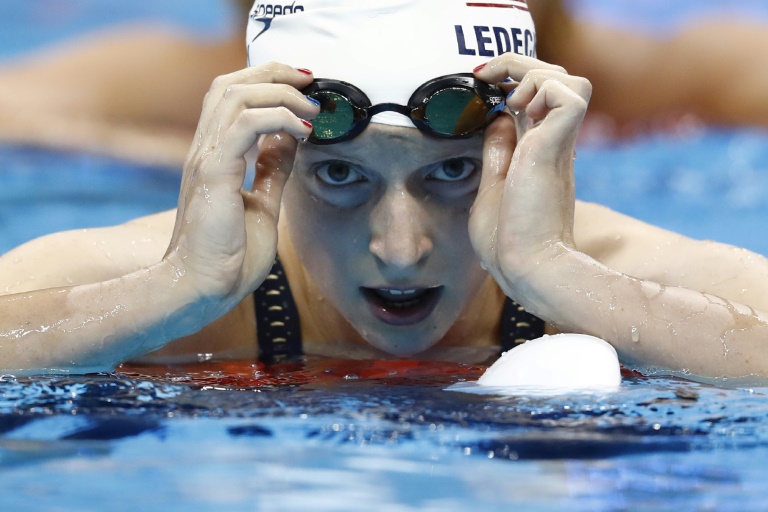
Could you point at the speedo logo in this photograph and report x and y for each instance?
(272, 10)
(265, 13)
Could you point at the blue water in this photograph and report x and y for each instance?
(212, 438)
(711, 184)
(48, 191)
(27, 26)
(372, 444)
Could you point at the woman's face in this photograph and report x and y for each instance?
(380, 224)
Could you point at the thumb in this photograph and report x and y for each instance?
(498, 147)
(274, 163)
(277, 152)
(499, 143)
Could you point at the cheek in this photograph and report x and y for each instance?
(456, 248)
(324, 238)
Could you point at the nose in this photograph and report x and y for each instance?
(400, 230)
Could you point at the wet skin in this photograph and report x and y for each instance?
(380, 226)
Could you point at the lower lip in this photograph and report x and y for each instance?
(403, 316)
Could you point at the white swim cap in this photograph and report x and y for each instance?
(388, 48)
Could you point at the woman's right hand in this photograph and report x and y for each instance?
(224, 241)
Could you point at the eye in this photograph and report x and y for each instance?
(338, 173)
(454, 169)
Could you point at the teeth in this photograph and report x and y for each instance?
(397, 292)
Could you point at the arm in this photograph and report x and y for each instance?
(535, 260)
(640, 78)
(131, 92)
(642, 250)
(221, 248)
(94, 255)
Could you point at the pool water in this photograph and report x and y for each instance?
(49, 191)
(336, 436)
(333, 435)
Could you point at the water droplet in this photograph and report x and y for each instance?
(635, 335)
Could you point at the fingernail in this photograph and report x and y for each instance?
(313, 100)
(306, 123)
(478, 68)
(305, 71)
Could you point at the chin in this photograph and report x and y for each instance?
(403, 345)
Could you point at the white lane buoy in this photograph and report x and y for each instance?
(556, 364)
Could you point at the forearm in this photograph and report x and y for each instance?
(93, 327)
(652, 326)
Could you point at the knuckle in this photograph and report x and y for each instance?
(585, 86)
(583, 82)
(274, 68)
(284, 112)
(580, 103)
(231, 90)
(220, 82)
(283, 91)
(246, 117)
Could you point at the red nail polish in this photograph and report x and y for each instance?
(478, 68)
(305, 71)
(307, 123)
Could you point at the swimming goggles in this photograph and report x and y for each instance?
(447, 107)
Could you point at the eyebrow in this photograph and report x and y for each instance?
(343, 152)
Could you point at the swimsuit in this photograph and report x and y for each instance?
(277, 320)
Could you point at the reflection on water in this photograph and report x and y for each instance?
(330, 435)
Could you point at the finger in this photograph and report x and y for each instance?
(246, 96)
(262, 204)
(275, 162)
(269, 73)
(514, 66)
(563, 110)
(534, 80)
(252, 123)
(209, 131)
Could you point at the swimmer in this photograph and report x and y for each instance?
(395, 235)
(146, 107)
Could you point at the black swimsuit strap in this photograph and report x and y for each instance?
(518, 325)
(277, 318)
(279, 331)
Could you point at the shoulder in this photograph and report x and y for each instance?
(86, 255)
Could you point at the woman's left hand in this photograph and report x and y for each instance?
(522, 217)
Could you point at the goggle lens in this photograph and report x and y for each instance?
(455, 111)
(337, 115)
(451, 106)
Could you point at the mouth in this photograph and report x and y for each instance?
(402, 306)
